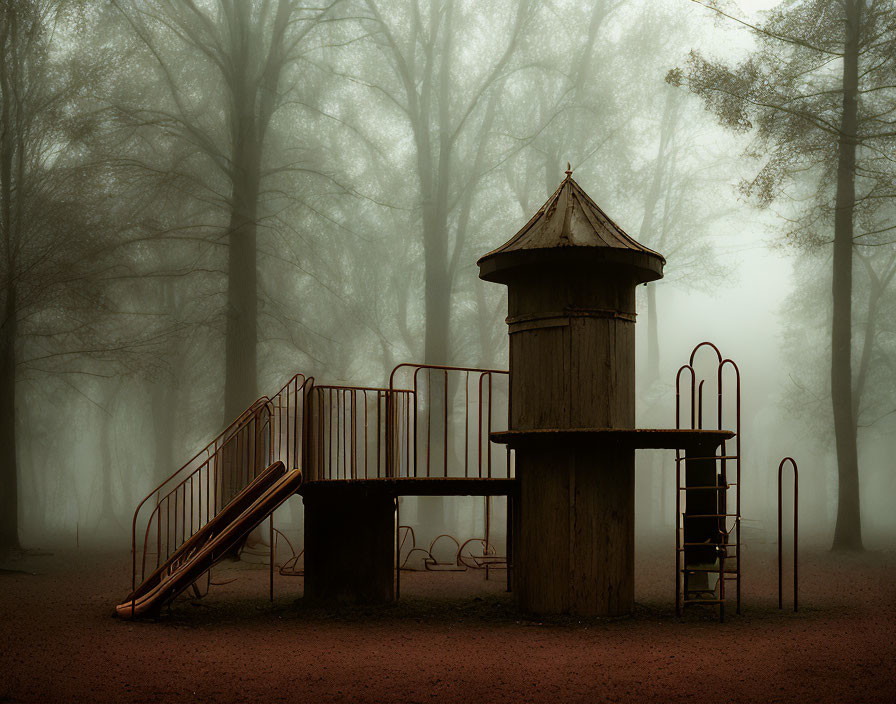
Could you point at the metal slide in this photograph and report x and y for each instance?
(212, 542)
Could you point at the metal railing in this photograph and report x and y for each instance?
(445, 421)
(430, 422)
(348, 427)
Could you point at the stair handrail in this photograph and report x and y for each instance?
(210, 451)
(298, 382)
(219, 546)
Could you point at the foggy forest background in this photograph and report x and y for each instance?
(199, 198)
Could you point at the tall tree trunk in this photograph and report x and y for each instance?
(848, 531)
(9, 474)
(646, 232)
(163, 402)
(241, 384)
(241, 380)
(108, 524)
(164, 397)
(9, 479)
(438, 289)
(437, 301)
(431, 509)
(653, 340)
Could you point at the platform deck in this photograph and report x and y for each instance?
(417, 486)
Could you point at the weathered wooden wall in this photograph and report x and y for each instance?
(576, 534)
(572, 365)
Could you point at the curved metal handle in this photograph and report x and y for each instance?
(780, 532)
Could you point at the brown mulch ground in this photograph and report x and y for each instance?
(453, 637)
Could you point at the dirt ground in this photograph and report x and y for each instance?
(453, 637)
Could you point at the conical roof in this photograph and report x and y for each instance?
(571, 220)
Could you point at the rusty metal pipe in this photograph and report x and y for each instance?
(795, 535)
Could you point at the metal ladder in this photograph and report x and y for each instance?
(707, 501)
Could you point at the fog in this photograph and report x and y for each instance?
(201, 200)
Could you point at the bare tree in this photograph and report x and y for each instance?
(443, 98)
(55, 272)
(248, 48)
(679, 212)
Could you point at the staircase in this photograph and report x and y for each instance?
(270, 430)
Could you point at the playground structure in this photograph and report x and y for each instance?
(554, 434)
(360, 448)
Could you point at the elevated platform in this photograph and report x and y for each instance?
(350, 539)
(414, 486)
(621, 438)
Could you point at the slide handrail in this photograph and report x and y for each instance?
(226, 515)
(218, 545)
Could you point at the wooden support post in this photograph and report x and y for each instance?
(349, 544)
(576, 552)
(705, 536)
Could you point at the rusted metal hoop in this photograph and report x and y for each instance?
(795, 535)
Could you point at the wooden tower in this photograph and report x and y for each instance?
(571, 274)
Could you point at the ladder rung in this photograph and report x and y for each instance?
(685, 487)
(710, 515)
(727, 532)
(707, 569)
(707, 545)
(707, 458)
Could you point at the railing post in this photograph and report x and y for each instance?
(390, 471)
(397, 550)
(511, 526)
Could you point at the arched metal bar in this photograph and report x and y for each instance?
(705, 343)
(690, 369)
(737, 450)
(795, 534)
(678, 554)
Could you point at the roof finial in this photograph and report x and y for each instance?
(568, 169)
